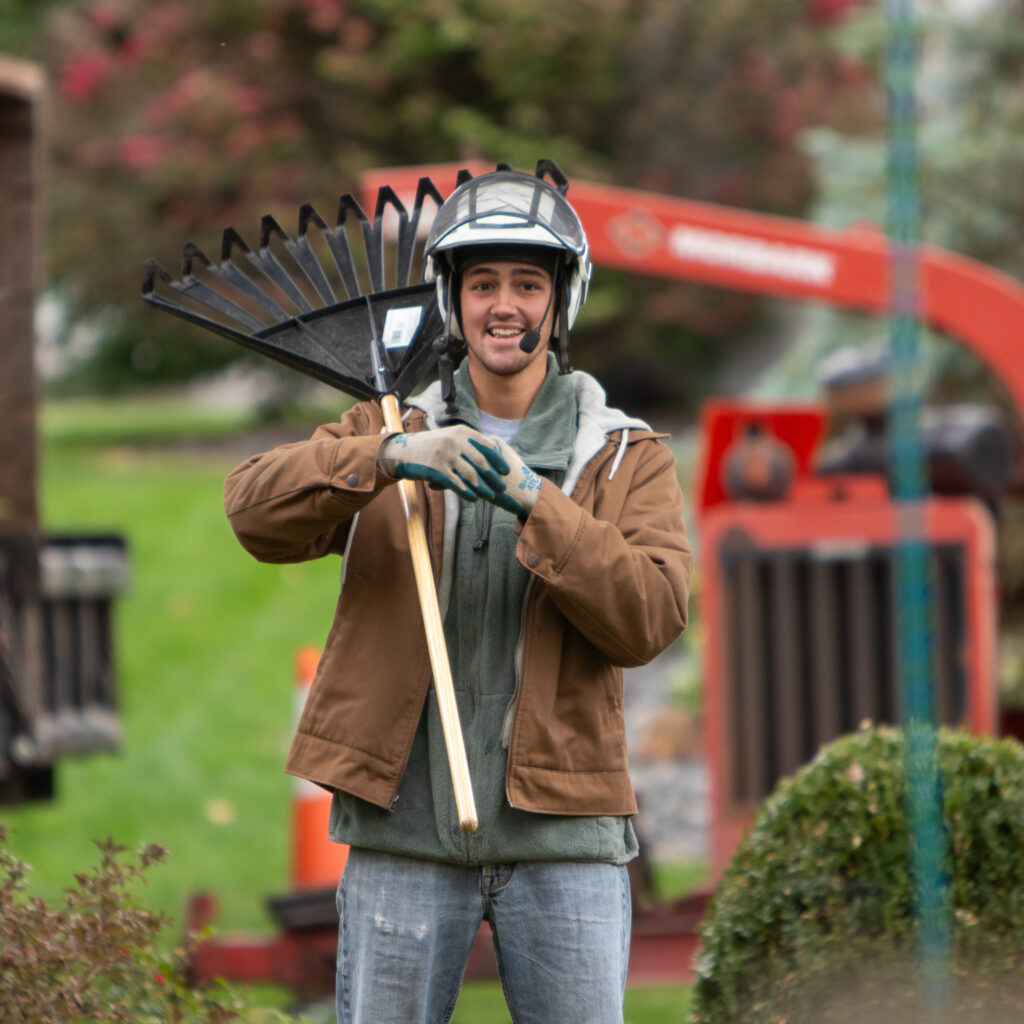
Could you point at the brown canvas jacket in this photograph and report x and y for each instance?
(611, 566)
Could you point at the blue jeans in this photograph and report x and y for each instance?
(561, 938)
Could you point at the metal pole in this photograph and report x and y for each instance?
(913, 563)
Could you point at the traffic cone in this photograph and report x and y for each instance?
(317, 861)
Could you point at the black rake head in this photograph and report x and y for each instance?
(300, 302)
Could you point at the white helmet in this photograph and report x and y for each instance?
(509, 208)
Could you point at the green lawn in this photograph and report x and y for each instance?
(483, 1003)
(205, 644)
(78, 423)
(206, 639)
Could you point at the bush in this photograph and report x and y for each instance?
(813, 920)
(97, 957)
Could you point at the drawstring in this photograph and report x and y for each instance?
(483, 533)
(446, 372)
(623, 442)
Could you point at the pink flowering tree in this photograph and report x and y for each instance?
(172, 119)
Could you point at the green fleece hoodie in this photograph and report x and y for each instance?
(482, 626)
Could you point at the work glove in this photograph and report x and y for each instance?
(522, 484)
(458, 458)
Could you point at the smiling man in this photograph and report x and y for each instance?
(500, 301)
(558, 541)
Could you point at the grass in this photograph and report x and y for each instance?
(85, 422)
(205, 642)
(675, 879)
(483, 1003)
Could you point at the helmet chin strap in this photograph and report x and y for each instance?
(562, 318)
(443, 345)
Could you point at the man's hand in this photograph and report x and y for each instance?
(522, 485)
(458, 458)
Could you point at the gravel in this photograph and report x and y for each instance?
(672, 792)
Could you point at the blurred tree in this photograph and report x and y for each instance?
(173, 120)
(974, 195)
(20, 22)
(970, 141)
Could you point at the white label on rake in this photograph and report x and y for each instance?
(400, 326)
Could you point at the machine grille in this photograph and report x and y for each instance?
(811, 647)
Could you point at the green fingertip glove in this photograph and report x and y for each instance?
(522, 484)
(457, 458)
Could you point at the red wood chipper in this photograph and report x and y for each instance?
(796, 530)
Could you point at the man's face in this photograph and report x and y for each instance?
(501, 301)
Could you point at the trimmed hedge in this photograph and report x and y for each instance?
(813, 919)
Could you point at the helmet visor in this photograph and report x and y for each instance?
(507, 208)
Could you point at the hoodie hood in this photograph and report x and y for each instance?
(596, 420)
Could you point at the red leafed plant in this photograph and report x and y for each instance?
(96, 956)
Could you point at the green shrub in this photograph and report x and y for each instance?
(813, 920)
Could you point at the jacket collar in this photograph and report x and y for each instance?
(595, 418)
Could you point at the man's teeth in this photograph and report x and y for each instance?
(505, 332)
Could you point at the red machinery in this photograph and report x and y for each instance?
(799, 618)
(669, 237)
(796, 578)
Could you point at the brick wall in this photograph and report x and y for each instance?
(21, 170)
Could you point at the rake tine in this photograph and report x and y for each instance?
(153, 270)
(234, 275)
(386, 197)
(303, 253)
(330, 368)
(409, 228)
(337, 240)
(266, 261)
(207, 296)
(373, 242)
(150, 272)
(373, 237)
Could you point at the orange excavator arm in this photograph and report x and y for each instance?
(670, 237)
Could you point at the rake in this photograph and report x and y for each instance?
(282, 300)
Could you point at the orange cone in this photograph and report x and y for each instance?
(317, 861)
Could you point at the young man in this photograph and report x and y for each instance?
(557, 536)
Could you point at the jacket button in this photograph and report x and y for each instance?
(533, 561)
(352, 479)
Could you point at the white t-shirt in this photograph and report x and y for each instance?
(504, 430)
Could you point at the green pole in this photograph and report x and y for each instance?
(912, 562)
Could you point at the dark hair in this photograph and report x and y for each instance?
(542, 256)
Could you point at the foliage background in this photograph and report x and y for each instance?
(172, 120)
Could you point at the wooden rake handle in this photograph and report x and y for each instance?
(457, 764)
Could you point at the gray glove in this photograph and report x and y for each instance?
(522, 484)
(458, 458)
